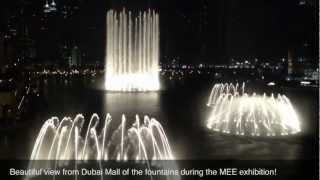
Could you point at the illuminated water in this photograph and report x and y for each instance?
(68, 140)
(62, 140)
(236, 112)
(132, 51)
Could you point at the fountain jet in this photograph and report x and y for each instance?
(236, 112)
(62, 140)
(72, 143)
(132, 51)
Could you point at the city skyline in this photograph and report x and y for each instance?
(193, 31)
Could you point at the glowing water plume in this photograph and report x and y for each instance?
(132, 51)
(70, 142)
(236, 112)
(62, 140)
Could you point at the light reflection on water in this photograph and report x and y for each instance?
(146, 103)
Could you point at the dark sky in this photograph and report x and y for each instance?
(194, 30)
(247, 28)
(268, 28)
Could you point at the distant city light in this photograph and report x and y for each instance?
(48, 8)
(305, 83)
(302, 2)
(271, 84)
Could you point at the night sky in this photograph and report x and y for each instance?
(192, 30)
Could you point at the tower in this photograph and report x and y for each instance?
(2, 62)
(203, 28)
(290, 64)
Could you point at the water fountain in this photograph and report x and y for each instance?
(132, 51)
(62, 140)
(71, 142)
(236, 112)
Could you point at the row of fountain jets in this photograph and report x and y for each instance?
(236, 112)
(132, 51)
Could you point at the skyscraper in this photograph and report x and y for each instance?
(290, 63)
(203, 28)
(75, 56)
(1, 50)
(25, 45)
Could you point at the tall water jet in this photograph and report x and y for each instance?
(132, 51)
(236, 112)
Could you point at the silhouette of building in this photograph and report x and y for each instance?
(203, 28)
(2, 61)
(75, 57)
(25, 45)
(290, 63)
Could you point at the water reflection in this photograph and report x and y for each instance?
(117, 103)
